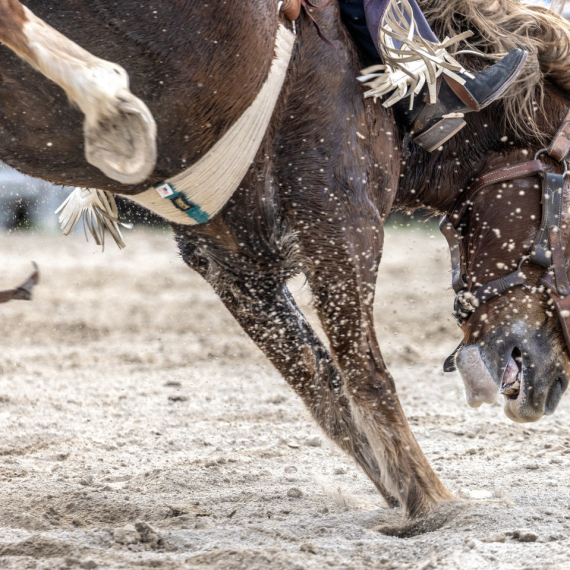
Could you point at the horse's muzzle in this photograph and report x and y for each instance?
(527, 371)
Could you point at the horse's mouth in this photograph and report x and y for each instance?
(513, 376)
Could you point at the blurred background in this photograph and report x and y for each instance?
(30, 203)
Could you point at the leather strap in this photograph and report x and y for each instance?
(562, 305)
(552, 197)
(558, 261)
(454, 238)
(513, 172)
(560, 145)
(499, 286)
(467, 301)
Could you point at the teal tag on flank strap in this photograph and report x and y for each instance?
(181, 202)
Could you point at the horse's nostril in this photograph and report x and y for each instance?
(517, 356)
(513, 375)
(554, 395)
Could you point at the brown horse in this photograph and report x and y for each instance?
(314, 200)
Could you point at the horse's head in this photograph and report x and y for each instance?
(513, 336)
(514, 341)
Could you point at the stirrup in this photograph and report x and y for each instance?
(433, 125)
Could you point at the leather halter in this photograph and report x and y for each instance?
(547, 250)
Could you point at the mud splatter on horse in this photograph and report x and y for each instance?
(326, 176)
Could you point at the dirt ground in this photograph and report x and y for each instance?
(142, 428)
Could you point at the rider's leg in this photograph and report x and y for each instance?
(354, 18)
(440, 89)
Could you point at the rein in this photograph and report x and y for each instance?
(546, 251)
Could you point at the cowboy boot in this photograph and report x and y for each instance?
(432, 124)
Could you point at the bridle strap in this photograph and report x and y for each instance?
(552, 200)
(561, 304)
(558, 261)
(451, 221)
(453, 238)
(547, 250)
(467, 301)
(499, 286)
(506, 173)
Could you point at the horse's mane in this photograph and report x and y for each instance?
(501, 26)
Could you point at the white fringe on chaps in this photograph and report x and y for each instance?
(416, 63)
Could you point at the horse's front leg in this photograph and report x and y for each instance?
(120, 132)
(343, 280)
(265, 309)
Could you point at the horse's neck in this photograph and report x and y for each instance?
(432, 181)
(435, 181)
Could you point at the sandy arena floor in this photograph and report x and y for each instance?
(142, 428)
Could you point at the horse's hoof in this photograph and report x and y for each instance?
(123, 144)
(436, 519)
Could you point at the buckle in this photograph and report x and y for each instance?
(464, 306)
(545, 150)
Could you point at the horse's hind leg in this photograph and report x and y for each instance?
(269, 315)
(120, 132)
(343, 285)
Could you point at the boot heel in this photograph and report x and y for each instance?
(439, 133)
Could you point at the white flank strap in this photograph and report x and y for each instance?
(98, 211)
(197, 194)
